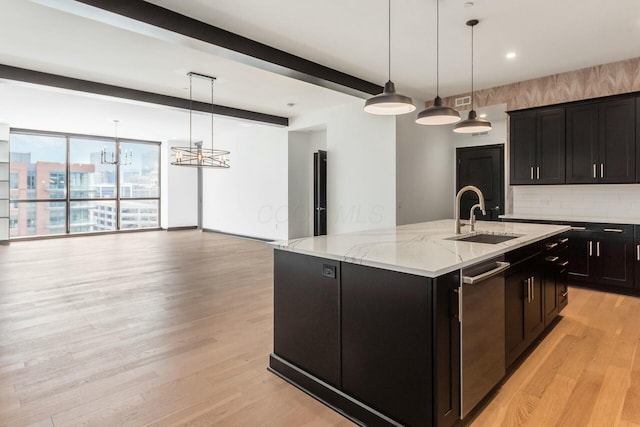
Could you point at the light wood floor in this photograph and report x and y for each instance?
(175, 328)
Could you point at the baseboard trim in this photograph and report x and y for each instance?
(330, 396)
(184, 227)
(242, 236)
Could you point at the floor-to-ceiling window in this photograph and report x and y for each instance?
(64, 183)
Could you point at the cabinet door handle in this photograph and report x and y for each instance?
(638, 252)
(613, 230)
(590, 248)
(565, 240)
(564, 264)
(458, 292)
(597, 248)
(550, 245)
(577, 229)
(565, 293)
(528, 291)
(594, 170)
(532, 173)
(552, 258)
(601, 170)
(537, 172)
(533, 289)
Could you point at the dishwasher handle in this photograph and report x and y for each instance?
(472, 280)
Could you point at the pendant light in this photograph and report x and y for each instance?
(437, 114)
(473, 124)
(389, 102)
(196, 155)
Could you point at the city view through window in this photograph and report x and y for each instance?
(59, 185)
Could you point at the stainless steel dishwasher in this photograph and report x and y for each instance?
(482, 331)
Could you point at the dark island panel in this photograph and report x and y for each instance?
(387, 342)
(307, 314)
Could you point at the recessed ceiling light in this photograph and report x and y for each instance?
(482, 116)
(290, 104)
(468, 4)
(510, 55)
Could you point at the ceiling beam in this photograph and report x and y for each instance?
(155, 21)
(37, 77)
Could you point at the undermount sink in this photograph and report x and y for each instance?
(490, 239)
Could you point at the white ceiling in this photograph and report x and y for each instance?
(549, 36)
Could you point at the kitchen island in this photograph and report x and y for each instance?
(369, 323)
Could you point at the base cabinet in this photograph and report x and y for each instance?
(383, 347)
(386, 343)
(524, 316)
(307, 314)
(602, 255)
(387, 329)
(554, 277)
(636, 249)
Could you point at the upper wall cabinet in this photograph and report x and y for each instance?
(638, 145)
(601, 142)
(537, 146)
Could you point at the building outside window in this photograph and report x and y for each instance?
(49, 196)
(13, 180)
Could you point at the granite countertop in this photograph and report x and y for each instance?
(420, 249)
(573, 218)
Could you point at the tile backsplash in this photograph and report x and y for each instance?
(601, 200)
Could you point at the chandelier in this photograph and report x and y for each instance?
(117, 157)
(196, 155)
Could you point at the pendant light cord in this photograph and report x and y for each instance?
(190, 110)
(437, 48)
(472, 67)
(212, 80)
(389, 33)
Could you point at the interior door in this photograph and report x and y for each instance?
(320, 193)
(483, 167)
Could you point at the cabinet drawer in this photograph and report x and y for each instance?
(601, 230)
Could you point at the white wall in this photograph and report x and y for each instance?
(249, 198)
(425, 159)
(361, 166)
(179, 201)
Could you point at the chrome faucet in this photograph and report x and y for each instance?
(457, 206)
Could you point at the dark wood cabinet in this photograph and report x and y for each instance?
(580, 247)
(389, 328)
(637, 256)
(380, 346)
(550, 146)
(617, 142)
(307, 314)
(537, 146)
(554, 277)
(637, 141)
(447, 355)
(524, 303)
(582, 143)
(602, 255)
(522, 131)
(601, 142)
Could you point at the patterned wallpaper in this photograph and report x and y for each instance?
(604, 201)
(593, 82)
